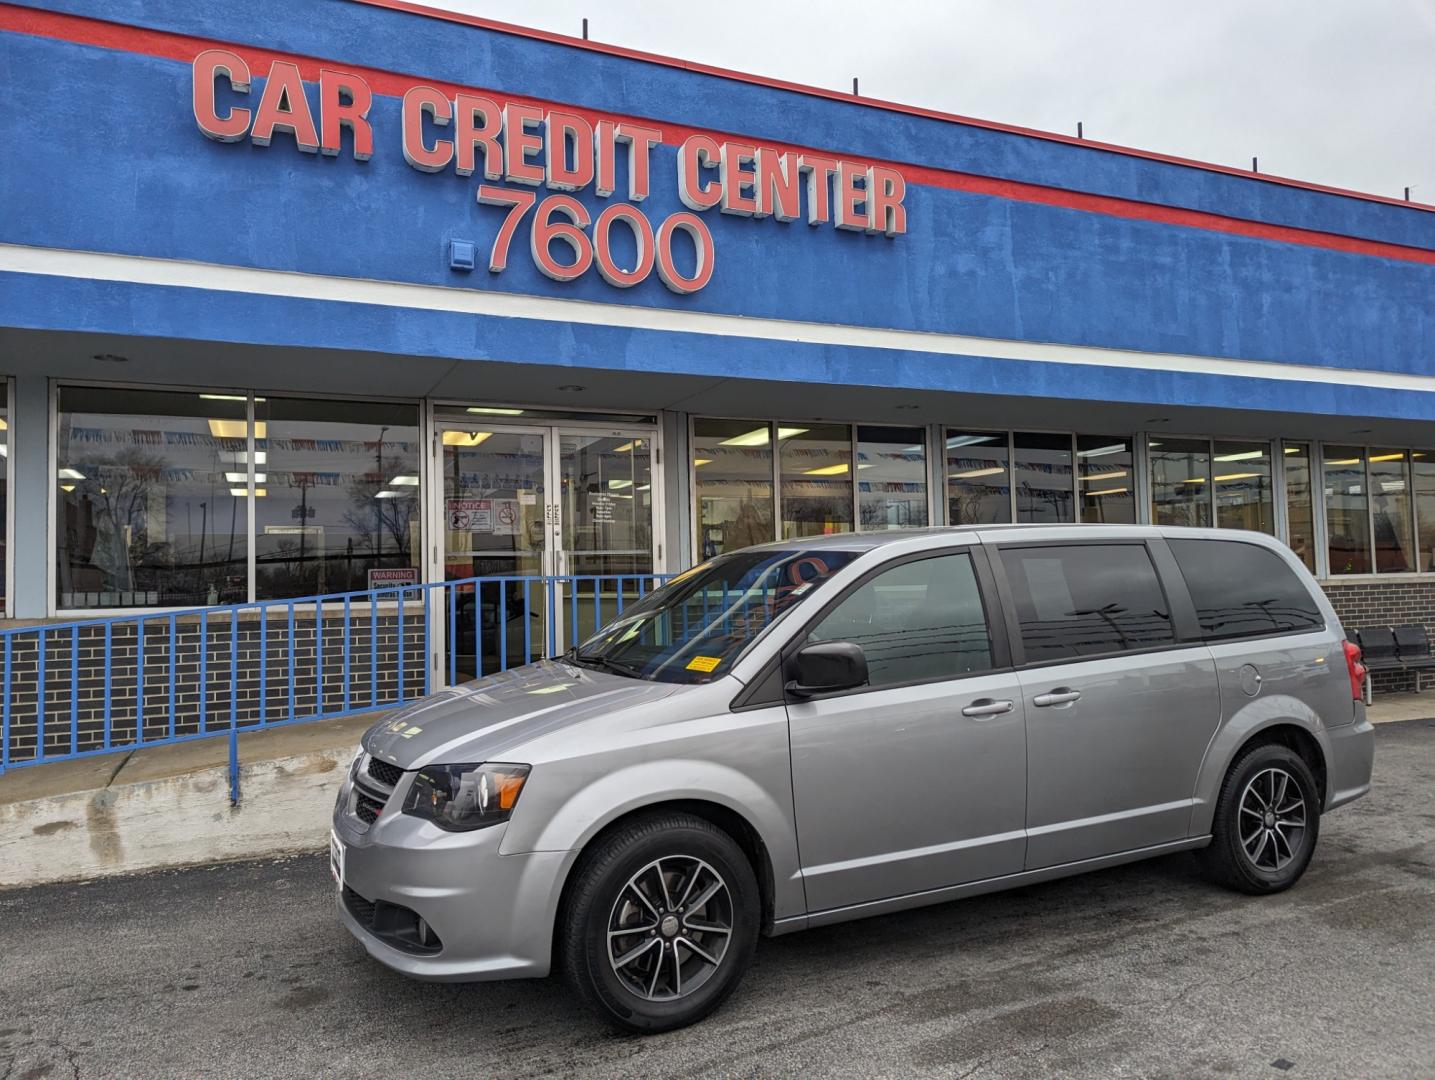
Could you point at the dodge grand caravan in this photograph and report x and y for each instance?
(812, 731)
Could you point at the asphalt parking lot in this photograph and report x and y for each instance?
(242, 970)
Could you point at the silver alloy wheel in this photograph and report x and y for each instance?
(1272, 819)
(670, 927)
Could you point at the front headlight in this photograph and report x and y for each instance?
(464, 797)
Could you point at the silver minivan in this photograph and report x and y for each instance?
(828, 728)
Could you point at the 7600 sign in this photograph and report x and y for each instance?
(563, 219)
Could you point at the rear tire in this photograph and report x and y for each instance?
(1267, 822)
(660, 922)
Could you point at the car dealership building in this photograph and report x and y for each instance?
(308, 298)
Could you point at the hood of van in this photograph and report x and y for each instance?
(485, 720)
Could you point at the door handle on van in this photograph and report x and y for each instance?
(1062, 695)
(986, 706)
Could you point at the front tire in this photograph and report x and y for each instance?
(660, 922)
(1266, 824)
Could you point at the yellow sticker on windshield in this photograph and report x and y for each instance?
(704, 663)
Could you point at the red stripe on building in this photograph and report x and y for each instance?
(183, 48)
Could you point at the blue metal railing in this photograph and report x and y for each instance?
(100, 686)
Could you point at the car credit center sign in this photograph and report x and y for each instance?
(470, 133)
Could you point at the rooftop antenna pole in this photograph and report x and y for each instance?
(1079, 133)
(854, 86)
(1407, 194)
(585, 29)
(1255, 165)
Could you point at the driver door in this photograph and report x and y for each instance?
(917, 780)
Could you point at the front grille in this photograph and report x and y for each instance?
(366, 807)
(384, 773)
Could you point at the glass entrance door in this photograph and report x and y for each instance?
(494, 498)
(558, 521)
(605, 525)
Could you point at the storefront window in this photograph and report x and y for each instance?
(978, 478)
(336, 494)
(816, 465)
(1244, 496)
(1180, 482)
(1043, 478)
(1347, 509)
(1392, 526)
(1422, 467)
(732, 483)
(148, 514)
(4, 491)
(891, 477)
(1105, 475)
(1300, 509)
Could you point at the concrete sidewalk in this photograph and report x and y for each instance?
(169, 806)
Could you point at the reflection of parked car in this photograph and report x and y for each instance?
(497, 639)
(813, 731)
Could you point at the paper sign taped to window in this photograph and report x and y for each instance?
(704, 663)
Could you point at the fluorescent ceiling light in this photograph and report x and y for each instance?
(243, 478)
(755, 437)
(465, 438)
(1195, 480)
(1388, 457)
(620, 483)
(487, 411)
(67, 487)
(236, 429)
(970, 440)
(790, 432)
(1294, 449)
(1244, 455)
(970, 473)
(387, 494)
(626, 447)
(225, 397)
(3, 425)
(4, 450)
(1238, 476)
(827, 470)
(1109, 491)
(1096, 478)
(70, 474)
(1102, 451)
(644, 487)
(404, 481)
(702, 461)
(1344, 461)
(239, 492)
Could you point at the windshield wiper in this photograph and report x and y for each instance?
(604, 663)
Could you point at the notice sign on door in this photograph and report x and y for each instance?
(470, 515)
(496, 516)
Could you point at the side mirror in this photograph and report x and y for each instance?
(825, 667)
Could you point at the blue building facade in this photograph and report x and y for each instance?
(304, 297)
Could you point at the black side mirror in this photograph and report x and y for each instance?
(825, 667)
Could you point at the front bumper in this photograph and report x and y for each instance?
(493, 914)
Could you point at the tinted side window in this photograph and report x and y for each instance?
(1244, 589)
(917, 621)
(1086, 600)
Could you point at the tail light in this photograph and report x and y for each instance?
(1357, 670)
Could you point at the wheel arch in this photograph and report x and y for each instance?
(1300, 734)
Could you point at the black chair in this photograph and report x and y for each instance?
(1413, 644)
(1378, 652)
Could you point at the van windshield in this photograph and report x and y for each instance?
(693, 628)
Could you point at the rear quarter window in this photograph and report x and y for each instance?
(1244, 590)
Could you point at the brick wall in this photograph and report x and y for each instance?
(1399, 602)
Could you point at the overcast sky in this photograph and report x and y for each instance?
(1334, 91)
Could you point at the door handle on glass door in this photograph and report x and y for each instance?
(984, 707)
(1062, 695)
